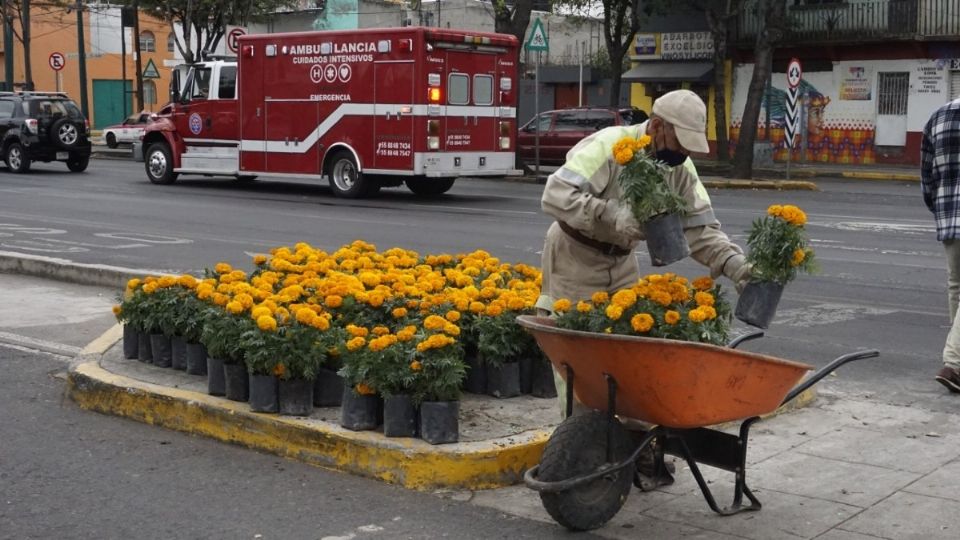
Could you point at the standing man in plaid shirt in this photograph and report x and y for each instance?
(940, 174)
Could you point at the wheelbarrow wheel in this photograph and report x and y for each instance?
(576, 448)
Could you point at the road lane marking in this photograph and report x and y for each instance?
(39, 344)
(824, 314)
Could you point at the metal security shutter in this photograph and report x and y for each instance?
(954, 84)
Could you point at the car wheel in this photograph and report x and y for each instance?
(429, 187)
(78, 164)
(65, 133)
(346, 180)
(17, 160)
(159, 164)
(111, 140)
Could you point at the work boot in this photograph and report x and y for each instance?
(647, 477)
(949, 377)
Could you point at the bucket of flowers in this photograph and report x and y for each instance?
(778, 250)
(656, 206)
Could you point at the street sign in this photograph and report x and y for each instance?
(794, 73)
(56, 61)
(232, 37)
(793, 117)
(151, 71)
(538, 38)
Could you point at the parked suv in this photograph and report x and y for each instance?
(42, 126)
(561, 129)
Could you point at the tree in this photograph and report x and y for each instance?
(16, 17)
(720, 16)
(512, 18)
(207, 20)
(773, 13)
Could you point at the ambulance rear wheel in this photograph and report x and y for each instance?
(347, 181)
(430, 187)
(159, 164)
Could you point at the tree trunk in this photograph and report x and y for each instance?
(719, 92)
(25, 33)
(616, 64)
(774, 17)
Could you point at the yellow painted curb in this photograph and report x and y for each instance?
(410, 463)
(863, 175)
(784, 185)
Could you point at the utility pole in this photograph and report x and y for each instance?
(25, 33)
(123, 59)
(8, 45)
(136, 41)
(82, 59)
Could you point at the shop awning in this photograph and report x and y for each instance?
(670, 72)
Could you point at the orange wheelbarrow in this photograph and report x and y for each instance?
(678, 388)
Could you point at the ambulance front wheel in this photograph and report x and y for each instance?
(429, 187)
(159, 164)
(346, 180)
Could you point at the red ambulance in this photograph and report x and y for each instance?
(381, 107)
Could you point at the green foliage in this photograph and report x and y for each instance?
(644, 186)
(441, 375)
(501, 340)
(222, 333)
(188, 316)
(779, 250)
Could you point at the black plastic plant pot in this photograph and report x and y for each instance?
(130, 341)
(399, 416)
(526, 374)
(144, 351)
(196, 359)
(296, 397)
(178, 347)
(327, 388)
(162, 352)
(216, 382)
(237, 386)
(476, 380)
(358, 413)
(665, 240)
(440, 421)
(503, 381)
(264, 392)
(757, 304)
(543, 382)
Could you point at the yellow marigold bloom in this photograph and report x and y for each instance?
(222, 268)
(644, 141)
(452, 316)
(641, 322)
(416, 365)
(370, 279)
(333, 301)
(259, 259)
(306, 316)
(377, 345)
(697, 315)
(516, 304)
(357, 331)
(260, 311)
(704, 298)
(320, 323)
(798, 256)
(704, 283)
(167, 281)
(356, 344)
(267, 323)
(584, 307)
(133, 283)
(375, 299)
(150, 288)
(364, 389)
(116, 309)
(562, 305)
(661, 297)
(399, 313)
(434, 322)
(600, 297)
(451, 329)
(624, 298)
(380, 330)
(235, 307)
(623, 150)
(279, 370)
(774, 210)
(614, 312)
(477, 307)
(671, 317)
(709, 312)
(488, 292)
(494, 310)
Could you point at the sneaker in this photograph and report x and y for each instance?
(949, 377)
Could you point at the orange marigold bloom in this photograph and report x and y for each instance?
(704, 298)
(671, 317)
(641, 322)
(279, 370)
(333, 301)
(704, 283)
(562, 306)
(416, 365)
(364, 389)
(798, 256)
(600, 297)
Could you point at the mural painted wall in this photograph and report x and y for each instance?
(842, 109)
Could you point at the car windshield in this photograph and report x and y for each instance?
(52, 108)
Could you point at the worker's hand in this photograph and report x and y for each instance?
(626, 223)
(739, 271)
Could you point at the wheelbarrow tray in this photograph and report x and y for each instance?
(676, 384)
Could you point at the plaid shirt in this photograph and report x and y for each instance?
(940, 169)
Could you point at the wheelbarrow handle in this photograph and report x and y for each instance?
(735, 342)
(828, 369)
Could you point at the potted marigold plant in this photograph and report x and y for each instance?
(656, 206)
(394, 373)
(264, 347)
(778, 250)
(189, 321)
(221, 337)
(440, 371)
(160, 308)
(360, 404)
(501, 343)
(129, 311)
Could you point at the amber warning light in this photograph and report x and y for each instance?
(434, 95)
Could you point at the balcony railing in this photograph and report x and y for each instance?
(859, 21)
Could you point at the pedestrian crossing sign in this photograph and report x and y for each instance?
(538, 38)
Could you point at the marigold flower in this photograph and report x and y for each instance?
(235, 307)
(333, 301)
(222, 268)
(624, 298)
(267, 323)
(434, 322)
(661, 297)
(416, 365)
(259, 259)
(451, 329)
(562, 305)
(356, 344)
(117, 310)
(614, 312)
(357, 331)
(774, 210)
(704, 299)
(641, 322)
(671, 317)
(600, 297)
(709, 312)
(697, 315)
(320, 323)
(364, 389)
(704, 283)
(798, 256)
(380, 330)
(494, 310)
(584, 307)
(452, 316)
(306, 316)
(133, 283)
(279, 370)
(150, 288)
(399, 313)
(260, 311)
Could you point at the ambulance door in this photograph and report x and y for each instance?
(252, 114)
(471, 122)
(290, 147)
(393, 115)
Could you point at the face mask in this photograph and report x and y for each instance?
(671, 157)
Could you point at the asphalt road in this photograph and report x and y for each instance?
(881, 285)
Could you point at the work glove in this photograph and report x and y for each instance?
(739, 271)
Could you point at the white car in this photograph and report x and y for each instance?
(129, 131)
